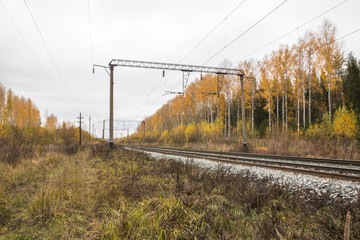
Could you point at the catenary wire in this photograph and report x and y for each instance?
(32, 53)
(346, 35)
(51, 56)
(243, 33)
(233, 39)
(207, 35)
(92, 56)
(196, 46)
(297, 28)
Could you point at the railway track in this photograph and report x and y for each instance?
(348, 170)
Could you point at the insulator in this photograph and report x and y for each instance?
(163, 73)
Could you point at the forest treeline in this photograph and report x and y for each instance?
(310, 89)
(22, 134)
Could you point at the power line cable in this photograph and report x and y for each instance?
(90, 33)
(207, 35)
(353, 32)
(92, 55)
(232, 40)
(32, 53)
(51, 56)
(297, 28)
(196, 46)
(346, 35)
(247, 30)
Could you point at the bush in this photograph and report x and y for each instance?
(323, 131)
(164, 138)
(191, 133)
(345, 126)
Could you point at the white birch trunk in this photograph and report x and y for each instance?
(298, 109)
(283, 108)
(277, 108)
(252, 110)
(329, 96)
(286, 111)
(304, 105)
(269, 102)
(229, 120)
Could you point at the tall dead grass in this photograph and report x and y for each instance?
(103, 194)
(283, 143)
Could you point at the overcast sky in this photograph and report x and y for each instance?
(58, 77)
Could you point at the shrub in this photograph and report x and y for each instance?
(190, 133)
(164, 136)
(344, 124)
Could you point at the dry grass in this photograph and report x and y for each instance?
(290, 144)
(103, 194)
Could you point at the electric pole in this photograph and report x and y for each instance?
(243, 113)
(89, 127)
(144, 132)
(80, 118)
(186, 69)
(103, 132)
(111, 126)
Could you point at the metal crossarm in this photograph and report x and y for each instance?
(176, 67)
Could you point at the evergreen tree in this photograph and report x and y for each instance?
(351, 83)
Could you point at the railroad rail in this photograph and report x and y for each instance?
(348, 170)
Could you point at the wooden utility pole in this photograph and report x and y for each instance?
(144, 132)
(103, 130)
(111, 125)
(89, 127)
(243, 113)
(80, 118)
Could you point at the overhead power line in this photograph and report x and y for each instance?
(32, 52)
(295, 29)
(92, 55)
(51, 56)
(346, 35)
(207, 35)
(90, 34)
(193, 49)
(247, 30)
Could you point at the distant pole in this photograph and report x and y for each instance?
(103, 131)
(127, 138)
(144, 132)
(243, 113)
(80, 118)
(89, 127)
(111, 125)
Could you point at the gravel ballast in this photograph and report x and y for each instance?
(309, 185)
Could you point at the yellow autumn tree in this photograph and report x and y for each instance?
(345, 123)
(51, 122)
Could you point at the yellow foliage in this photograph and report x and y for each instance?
(345, 123)
(190, 133)
(216, 129)
(205, 130)
(164, 136)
